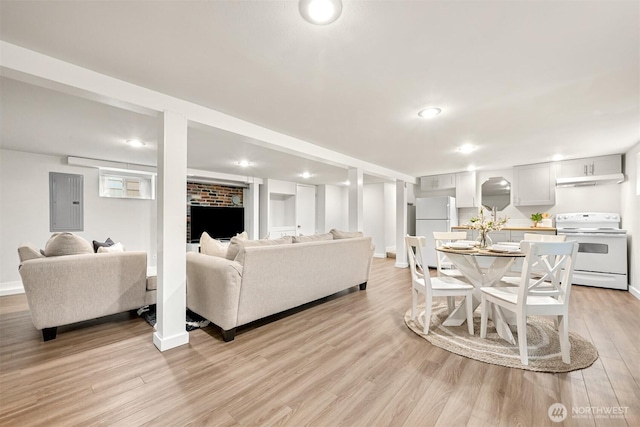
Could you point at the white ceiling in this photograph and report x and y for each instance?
(522, 80)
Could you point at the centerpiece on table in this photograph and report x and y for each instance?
(484, 224)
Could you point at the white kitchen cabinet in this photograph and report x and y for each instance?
(603, 165)
(466, 190)
(438, 182)
(534, 185)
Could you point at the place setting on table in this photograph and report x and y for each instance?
(484, 264)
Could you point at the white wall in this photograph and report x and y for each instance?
(630, 211)
(24, 209)
(333, 208)
(389, 217)
(373, 216)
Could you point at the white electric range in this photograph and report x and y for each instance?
(602, 255)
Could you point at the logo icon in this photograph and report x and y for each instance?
(557, 412)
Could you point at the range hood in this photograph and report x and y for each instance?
(583, 181)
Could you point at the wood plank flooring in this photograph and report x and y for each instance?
(347, 360)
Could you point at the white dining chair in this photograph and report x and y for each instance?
(443, 265)
(533, 237)
(543, 296)
(430, 287)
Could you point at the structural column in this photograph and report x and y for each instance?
(252, 210)
(401, 223)
(356, 209)
(172, 232)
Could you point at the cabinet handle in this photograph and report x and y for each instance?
(584, 168)
(593, 168)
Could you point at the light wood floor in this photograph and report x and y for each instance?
(349, 360)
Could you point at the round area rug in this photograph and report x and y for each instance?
(542, 341)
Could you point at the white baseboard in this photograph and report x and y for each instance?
(402, 264)
(164, 344)
(634, 291)
(379, 255)
(390, 248)
(11, 288)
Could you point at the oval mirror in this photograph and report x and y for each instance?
(496, 192)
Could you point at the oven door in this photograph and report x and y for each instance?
(606, 253)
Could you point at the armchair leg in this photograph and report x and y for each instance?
(229, 335)
(363, 286)
(49, 334)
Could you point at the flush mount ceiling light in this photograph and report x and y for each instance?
(244, 163)
(135, 143)
(320, 12)
(467, 148)
(429, 113)
(305, 175)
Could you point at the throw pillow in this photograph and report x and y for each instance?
(286, 240)
(312, 238)
(337, 234)
(61, 244)
(97, 244)
(26, 252)
(116, 247)
(211, 246)
(235, 245)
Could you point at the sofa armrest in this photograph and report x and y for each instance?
(213, 288)
(73, 288)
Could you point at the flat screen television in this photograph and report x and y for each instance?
(219, 222)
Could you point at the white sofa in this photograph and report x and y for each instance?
(272, 279)
(67, 282)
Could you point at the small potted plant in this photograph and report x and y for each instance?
(536, 218)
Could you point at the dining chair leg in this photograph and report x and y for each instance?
(521, 319)
(469, 302)
(414, 303)
(427, 313)
(486, 306)
(563, 332)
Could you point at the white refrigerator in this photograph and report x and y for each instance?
(434, 214)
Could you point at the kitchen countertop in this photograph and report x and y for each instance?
(465, 227)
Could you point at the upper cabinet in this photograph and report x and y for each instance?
(604, 165)
(534, 185)
(466, 190)
(438, 182)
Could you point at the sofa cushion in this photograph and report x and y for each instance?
(116, 247)
(26, 252)
(61, 244)
(337, 234)
(211, 246)
(312, 238)
(97, 245)
(235, 245)
(286, 240)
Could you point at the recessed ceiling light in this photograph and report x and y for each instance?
(135, 143)
(429, 113)
(305, 175)
(244, 163)
(467, 148)
(557, 157)
(320, 12)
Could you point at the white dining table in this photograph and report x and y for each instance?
(466, 261)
